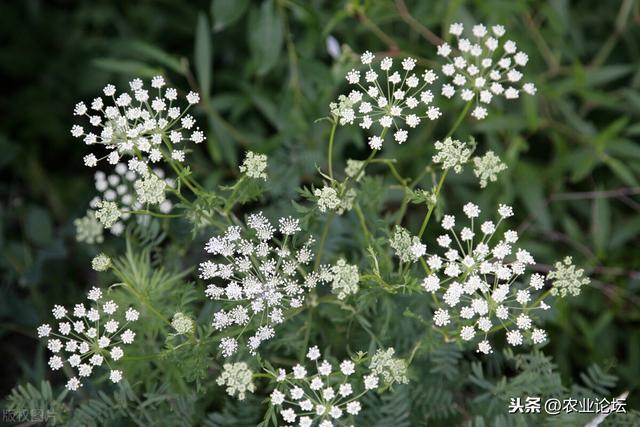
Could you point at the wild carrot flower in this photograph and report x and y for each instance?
(107, 213)
(487, 168)
(85, 338)
(483, 67)
(237, 378)
(254, 166)
(452, 154)
(145, 125)
(182, 324)
(131, 191)
(354, 169)
(322, 396)
(400, 99)
(88, 229)
(481, 283)
(331, 199)
(408, 248)
(567, 279)
(101, 262)
(259, 276)
(345, 279)
(390, 368)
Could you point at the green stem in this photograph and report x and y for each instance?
(455, 126)
(323, 239)
(458, 121)
(423, 227)
(363, 222)
(405, 199)
(155, 214)
(330, 154)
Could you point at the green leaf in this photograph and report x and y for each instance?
(226, 12)
(604, 75)
(129, 67)
(157, 54)
(610, 132)
(203, 55)
(220, 142)
(582, 164)
(601, 224)
(624, 232)
(266, 36)
(621, 170)
(532, 195)
(38, 226)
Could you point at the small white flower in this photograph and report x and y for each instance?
(514, 337)
(313, 353)
(115, 376)
(254, 166)
(538, 336)
(371, 382)
(484, 347)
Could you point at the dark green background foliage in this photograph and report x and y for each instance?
(573, 153)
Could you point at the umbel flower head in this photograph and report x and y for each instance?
(408, 248)
(452, 154)
(131, 191)
(182, 324)
(140, 124)
(401, 99)
(254, 166)
(325, 396)
(259, 277)
(483, 67)
(480, 282)
(238, 379)
(86, 338)
(335, 200)
(345, 279)
(101, 262)
(487, 168)
(88, 229)
(390, 368)
(567, 279)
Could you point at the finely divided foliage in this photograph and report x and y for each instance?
(265, 282)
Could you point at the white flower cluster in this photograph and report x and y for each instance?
(85, 338)
(130, 192)
(402, 98)
(487, 168)
(145, 125)
(482, 285)
(483, 68)
(263, 277)
(345, 279)
(452, 154)
(329, 199)
(354, 169)
(88, 228)
(101, 262)
(182, 324)
(238, 379)
(391, 369)
(408, 248)
(108, 213)
(254, 166)
(326, 398)
(567, 279)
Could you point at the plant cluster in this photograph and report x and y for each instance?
(277, 311)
